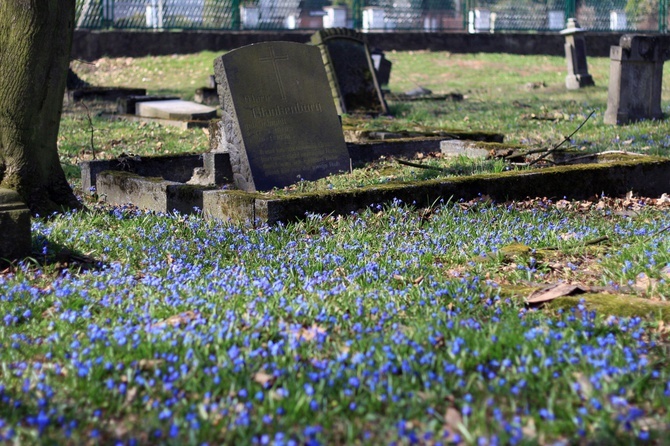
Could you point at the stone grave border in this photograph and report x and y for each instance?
(647, 177)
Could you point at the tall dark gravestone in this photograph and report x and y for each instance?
(350, 71)
(279, 121)
(636, 76)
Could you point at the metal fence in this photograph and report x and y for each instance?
(375, 15)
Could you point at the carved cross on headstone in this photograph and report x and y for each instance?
(274, 58)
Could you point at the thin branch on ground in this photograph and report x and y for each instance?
(566, 139)
(422, 166)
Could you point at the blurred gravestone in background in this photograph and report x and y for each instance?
(351, 72)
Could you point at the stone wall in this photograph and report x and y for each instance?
(91, 45)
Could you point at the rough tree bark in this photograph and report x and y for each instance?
(35, 43)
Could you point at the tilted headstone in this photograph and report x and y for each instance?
(15, 242)
(575, 56)
(636, 75)
(279, 121)
(350, 71)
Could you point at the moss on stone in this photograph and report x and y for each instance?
(619, 305)
(130, 175)
(615, 305)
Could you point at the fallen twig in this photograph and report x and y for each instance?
(593, 241)
(567, 138)
(421, 166)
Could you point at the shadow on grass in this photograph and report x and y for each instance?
(53, 256)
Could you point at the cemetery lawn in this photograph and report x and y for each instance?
(522, 97)
(391, 325)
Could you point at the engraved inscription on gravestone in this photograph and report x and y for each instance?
(279, 118)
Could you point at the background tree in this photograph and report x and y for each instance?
(35, 43)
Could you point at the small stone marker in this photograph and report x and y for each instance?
(453, 148)
(636, 75)
(206, 95)
(279, 120)
(350, 70)
(382, 66)
(175, 109)
(575, 56)
(15, 242)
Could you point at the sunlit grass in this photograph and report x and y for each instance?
(389, 325)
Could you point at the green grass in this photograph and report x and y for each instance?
(389, 325)
(503, 93)
(378, 327)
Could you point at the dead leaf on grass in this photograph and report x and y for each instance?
(176, 320)
(149, 364)
(554, 291)
(529, 430)
(264, 379)
(584, 384)
(403, 279)
(131, 393)
(645, 283)
(453, 420)
(309, 334)
(49, 312)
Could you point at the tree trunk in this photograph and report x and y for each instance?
(35, 43)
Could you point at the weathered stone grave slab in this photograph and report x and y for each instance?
(174, 168)
(175, 109)
(101, 93)
(126, 105)
(575, 56)
(279, 120)
(15, 242)
(636, 75)
(178, 123)
(351, 72)
(155, 194)
(647, 178)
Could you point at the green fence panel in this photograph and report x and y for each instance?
(375, 15)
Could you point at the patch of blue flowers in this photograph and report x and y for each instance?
(332, 330)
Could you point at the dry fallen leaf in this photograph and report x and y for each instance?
(264, 379)
(149, 364)
(529, 430)
(584, 384)
(453, 420)
(554, 291)
(645, 283)
(177, 319)
(309, 334)
(131, 393)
